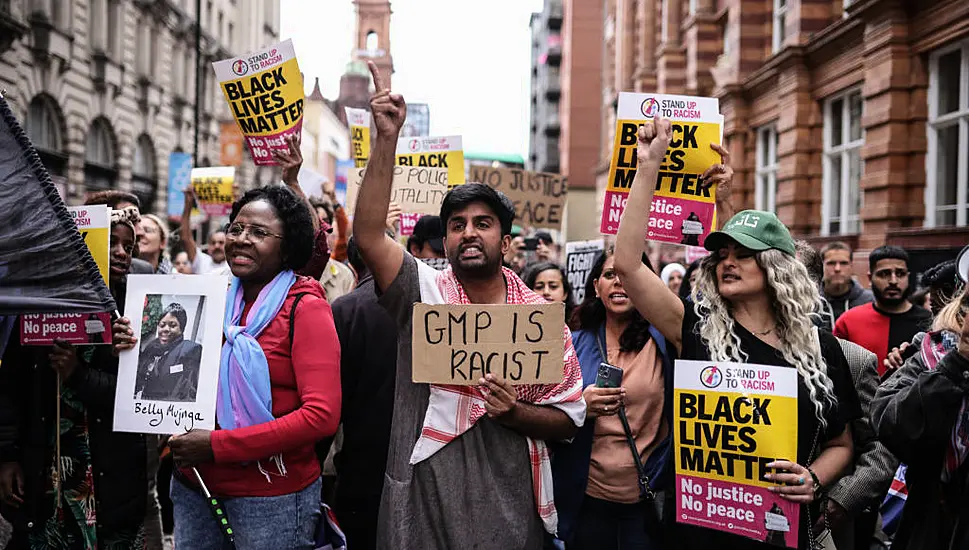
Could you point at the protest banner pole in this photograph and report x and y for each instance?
(217, 511)
(57, 441)
(198, 79)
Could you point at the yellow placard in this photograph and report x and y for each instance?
(682, 211)
(434, 152)
(359, 122)
(213, 189)
(731, 422)
(94, 224)
(264, 91)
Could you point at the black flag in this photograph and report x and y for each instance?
(45, 267)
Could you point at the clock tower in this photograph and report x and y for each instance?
(373, 35)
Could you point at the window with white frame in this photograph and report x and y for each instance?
(843, 137)
(780, 25)
(947, 164)
(766, 171)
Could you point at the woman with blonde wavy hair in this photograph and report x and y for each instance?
(753, 303)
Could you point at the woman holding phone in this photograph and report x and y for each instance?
(752, 303)
(596, 479)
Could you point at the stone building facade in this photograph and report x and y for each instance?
(849, 118)
(106, 88)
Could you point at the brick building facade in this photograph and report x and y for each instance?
(849, 118)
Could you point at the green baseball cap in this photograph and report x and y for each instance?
(754, 229)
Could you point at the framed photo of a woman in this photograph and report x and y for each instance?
(168, 366)
(167, 383)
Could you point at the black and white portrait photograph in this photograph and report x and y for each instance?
(167, 382)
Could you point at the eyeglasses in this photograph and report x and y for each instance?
(256, 233)
(899, 273)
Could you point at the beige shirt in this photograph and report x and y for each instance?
(612, 471)
(337, 280)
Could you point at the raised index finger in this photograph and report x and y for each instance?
(378, 81)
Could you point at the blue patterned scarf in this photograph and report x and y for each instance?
(245, 396)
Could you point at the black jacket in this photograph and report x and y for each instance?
(27, 414)
(175, 377)
(913, 413)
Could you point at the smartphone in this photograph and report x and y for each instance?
(609, 376)
(531, 244)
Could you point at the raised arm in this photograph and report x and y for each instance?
(291, 161)
(185, 231)
(720, 177)
(654, 301)
(382, 255)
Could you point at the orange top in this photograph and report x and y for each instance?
(612, 471)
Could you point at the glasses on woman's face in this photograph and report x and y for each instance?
(257, 233)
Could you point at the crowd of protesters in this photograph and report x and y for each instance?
(319, 318)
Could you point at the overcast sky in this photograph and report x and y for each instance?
(469, 60)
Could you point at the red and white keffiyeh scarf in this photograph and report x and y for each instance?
(453, 410)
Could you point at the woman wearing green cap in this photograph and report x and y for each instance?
(752, 303)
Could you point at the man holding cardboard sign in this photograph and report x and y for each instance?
(459, 471)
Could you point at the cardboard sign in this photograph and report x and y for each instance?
(682, 212)
(580, 256)
(167, 383)
(94, 224)
(731, 420)
(265, 93)
(539, 197)
(213, 189)
(459, 344)
(418, 190)
(359, 122)
(433, 152)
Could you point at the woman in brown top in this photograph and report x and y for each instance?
(597, 491)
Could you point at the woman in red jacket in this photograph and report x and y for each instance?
(279, 389)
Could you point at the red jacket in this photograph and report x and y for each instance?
(305, 378)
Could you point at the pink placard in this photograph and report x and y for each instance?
(671, 220)
(407, 223)
(744, 510)
(76, 328)
(217, 209)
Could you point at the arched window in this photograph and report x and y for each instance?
(144, 176)
(45, 130)
(100, 168)
(373, 42)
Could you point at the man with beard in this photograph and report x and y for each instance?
(891, 319)
(467, 466)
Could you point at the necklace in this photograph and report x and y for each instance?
(766, 332)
